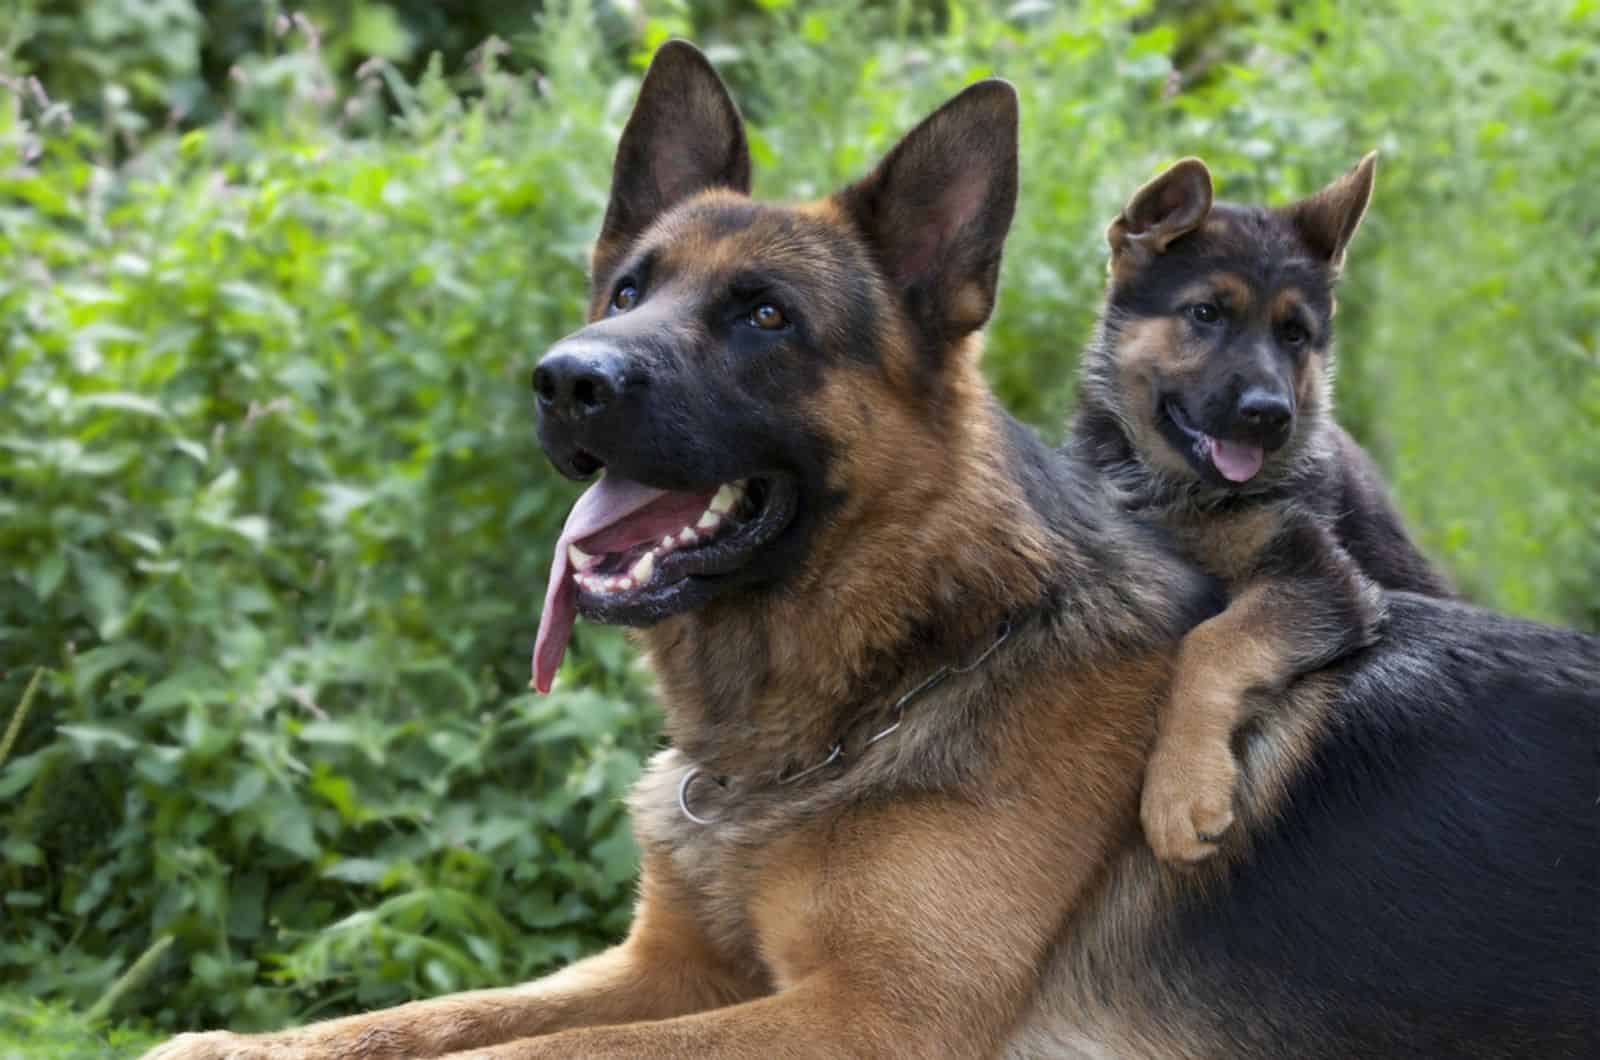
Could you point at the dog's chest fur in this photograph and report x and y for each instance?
(1226, 544)
(757, 878)
(721, 866)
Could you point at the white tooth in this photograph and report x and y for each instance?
(613, 584)
(644, 568)
(625, 583)
(579, 557)
(727, 496)
(668, 542)
(708, 521)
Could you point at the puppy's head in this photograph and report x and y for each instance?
(1219, 323)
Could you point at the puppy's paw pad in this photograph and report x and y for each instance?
(1186, 812)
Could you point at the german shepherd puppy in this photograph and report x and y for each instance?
(911, 661)
(1206, 402)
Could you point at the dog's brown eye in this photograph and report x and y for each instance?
(1205, 312)
(1292, 334)
(626, 298)
(767, 317)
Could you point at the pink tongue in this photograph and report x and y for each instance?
(604, 504)
(613, 515)
(1238, 463)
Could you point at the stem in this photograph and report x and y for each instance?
(19, 715)
(136, 974)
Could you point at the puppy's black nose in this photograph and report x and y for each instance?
(577, 380)
(1266, 412)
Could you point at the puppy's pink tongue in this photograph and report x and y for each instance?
(607, 502)
(1237, 462)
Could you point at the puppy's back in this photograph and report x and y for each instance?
(1368, 524)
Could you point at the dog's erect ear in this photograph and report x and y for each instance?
(1170, 205)
(684, 136)
(1328, 220)
(937, 208)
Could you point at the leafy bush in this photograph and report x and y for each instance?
(276, 524)
(37, 1030)
(137, 63)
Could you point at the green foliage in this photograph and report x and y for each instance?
(134, 63)
(39, 1031)
(276, 527)
(275, 521)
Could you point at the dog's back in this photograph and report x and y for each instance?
(1428, 887)
(1457, 773)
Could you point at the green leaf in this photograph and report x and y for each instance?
(134, 403)
(288, 825)
(104, 594)
(48, 574)
(94, 740)
(357, 870)
(21, 852)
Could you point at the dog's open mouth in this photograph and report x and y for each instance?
(1237, 462)
(631, 554)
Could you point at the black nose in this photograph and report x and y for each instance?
(574, 380)
(1265, 411)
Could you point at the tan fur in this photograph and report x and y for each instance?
(1149, 349)
(1230, 542)
(1225, 287)
(1188, 791)
(1314, 383)
(1187, 803)
(916, 527)
(1287, 304)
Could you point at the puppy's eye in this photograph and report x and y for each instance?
(1205, 312)
(626, 298)
(767, 317)
(1291, 333)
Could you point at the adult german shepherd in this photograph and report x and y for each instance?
(1207, 405)
(912, 660)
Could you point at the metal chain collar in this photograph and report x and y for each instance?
(898, 712)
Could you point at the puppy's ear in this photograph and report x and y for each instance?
(1328, 220)
(684, 136)
(1172, 204)
(936, 210)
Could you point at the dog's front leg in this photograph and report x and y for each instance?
(664, 969)
(1305, 604)
(917, 928)
(819, 1019)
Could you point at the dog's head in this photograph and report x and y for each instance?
(754, 376)
(1218, 323)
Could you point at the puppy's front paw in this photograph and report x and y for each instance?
(1187, 805)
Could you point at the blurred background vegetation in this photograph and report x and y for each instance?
(275, 527)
